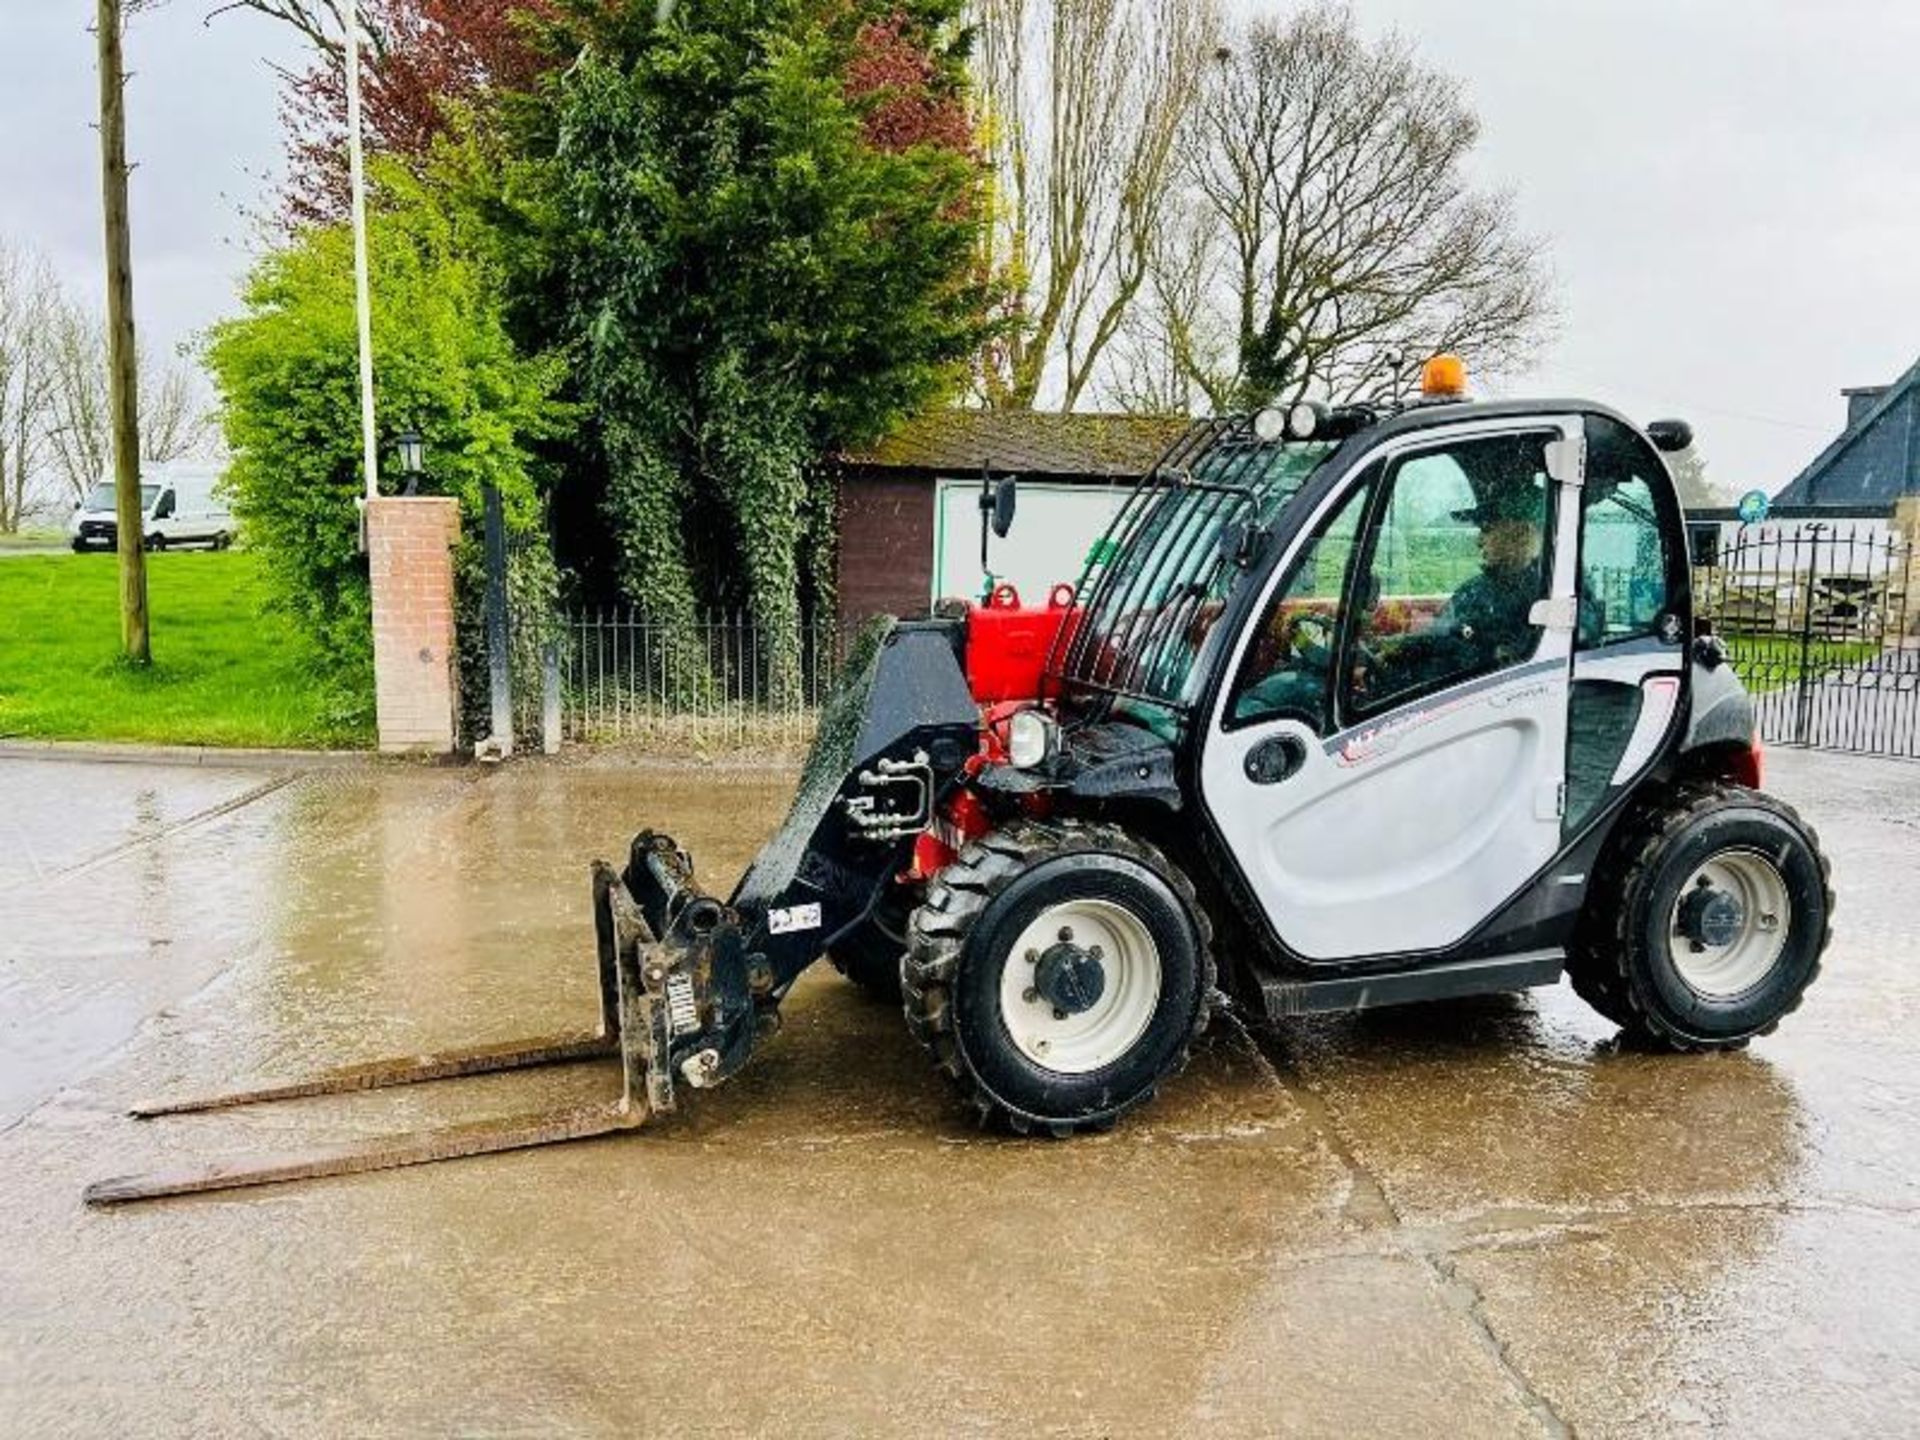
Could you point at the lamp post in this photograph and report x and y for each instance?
(362, 289)
(412, 446)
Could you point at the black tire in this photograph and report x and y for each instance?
(872, 955)
(222, 540)
(961, 939)
(1622, 963)
(156, 542)
(80, 547)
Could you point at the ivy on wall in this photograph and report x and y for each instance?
(750, 275)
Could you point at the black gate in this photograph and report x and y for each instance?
(1824, 628)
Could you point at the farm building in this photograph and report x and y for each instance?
(909, 507)
(1835, 554)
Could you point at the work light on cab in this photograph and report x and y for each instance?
(1303, 420)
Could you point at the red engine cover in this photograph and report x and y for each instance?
(1008, 643)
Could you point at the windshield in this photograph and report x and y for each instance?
(101, 497)
(1157, 582)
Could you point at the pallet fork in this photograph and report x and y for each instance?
(689, 984)
(638, 985)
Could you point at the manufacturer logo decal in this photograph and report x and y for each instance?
(1501, 699)
(794, 917)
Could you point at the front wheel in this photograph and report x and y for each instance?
(156, 542)
(1058, 973)
(1706, 921)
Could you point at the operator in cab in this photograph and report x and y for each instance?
(1489, 615)
(1486, 624)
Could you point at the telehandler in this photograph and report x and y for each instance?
(1351, 707)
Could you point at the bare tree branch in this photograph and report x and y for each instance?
(1085, 101)
(322, 22)
(28, 295)
(175, 419)
(1333, 172)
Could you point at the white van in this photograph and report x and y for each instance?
(178, 506)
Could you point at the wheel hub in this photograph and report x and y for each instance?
(1081, 985)
(1729, 927)
(1070, 979)
(1711, 916)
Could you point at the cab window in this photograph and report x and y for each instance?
(1288, 670)
(1625, 567)
(1456, 562)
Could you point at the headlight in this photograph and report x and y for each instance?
(1031, 735)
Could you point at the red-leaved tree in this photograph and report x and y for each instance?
(910, 101)
(428, 58)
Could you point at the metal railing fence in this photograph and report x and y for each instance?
(1823, 624)
(717, 683)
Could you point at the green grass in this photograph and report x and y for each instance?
(33, 539)
(1822, 653)
(1771, 661)
(225, 671)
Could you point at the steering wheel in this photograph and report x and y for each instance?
(1315, 648)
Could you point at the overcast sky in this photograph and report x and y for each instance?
(1727, 186)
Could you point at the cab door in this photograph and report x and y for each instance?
(1387, 760)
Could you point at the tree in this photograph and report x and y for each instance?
(77, 438)
(287, 378)
(429, 63)
(758, 255)
(1697, 489)
(1085, 102)
(1334, 223)
(29, 294)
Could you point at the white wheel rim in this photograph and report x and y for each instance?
(1130, 964)
(1721, 972)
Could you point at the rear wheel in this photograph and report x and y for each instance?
(1058, 973)
(1706, 921)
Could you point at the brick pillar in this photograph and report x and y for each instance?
(410, 553)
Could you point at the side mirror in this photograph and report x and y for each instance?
(1006, 495)
(1670, 437)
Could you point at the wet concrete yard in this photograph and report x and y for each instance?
(1469, 1219)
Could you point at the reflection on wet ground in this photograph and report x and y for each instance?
(1473, 1218)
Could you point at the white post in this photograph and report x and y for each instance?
(363, 303)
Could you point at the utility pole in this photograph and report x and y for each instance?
(123, 371)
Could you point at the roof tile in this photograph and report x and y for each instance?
(1024, 442)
